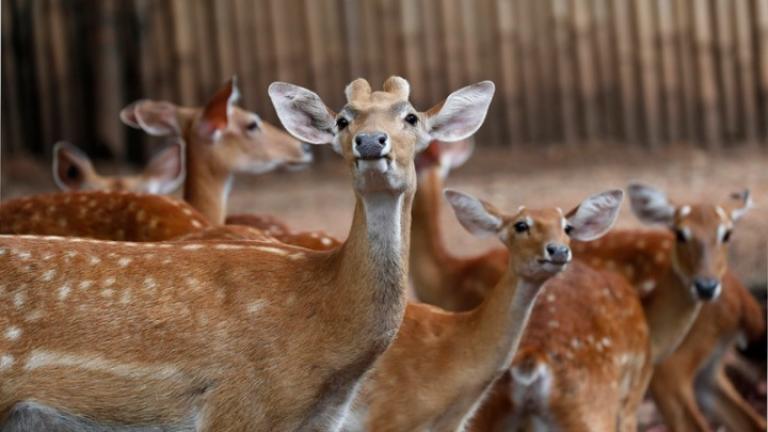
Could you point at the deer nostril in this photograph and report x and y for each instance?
(358, 140)
(551, 249)
(382, 139)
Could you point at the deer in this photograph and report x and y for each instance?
(544, 389)
(217, 139)
(74, 171)
(641, 256)
(227, 335)
(441, 363)
(691, 376)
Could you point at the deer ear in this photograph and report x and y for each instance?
(71, 167)
(477, 217)
(166, 171)
(462, 113)
(595, 215)
(739, 204)
(218, 110)
(157, 118)
(303, 113)
(650, 205)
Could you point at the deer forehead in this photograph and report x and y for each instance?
(545, 218)
(703, 220)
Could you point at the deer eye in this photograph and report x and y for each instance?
(252, 126)
(412, 119)
(681, 236)
(341, 123)
(568, 229)
(521, 227)
(727, 236)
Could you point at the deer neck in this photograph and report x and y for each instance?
(670, 311)
(373, 262)
(206, 187)
(428, 254)
(497, 325)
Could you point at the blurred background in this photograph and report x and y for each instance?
(590, 94)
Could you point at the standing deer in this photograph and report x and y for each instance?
(434, 375)
(545, 389)
(73, 171)
(694, 372)
(226, 336)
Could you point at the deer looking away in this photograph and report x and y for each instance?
(561, 372)
(435, 373)
(694, 249)
(226, 336)
(217, 140)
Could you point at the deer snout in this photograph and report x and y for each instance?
(371, 145)
(707, 288)
(557, 253)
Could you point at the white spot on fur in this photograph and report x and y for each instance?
(24, 255)
(125, 297)
(19, 298)
(64, 292)
(108, 282)
(192, 246)
(550, 297)
(93, 260)
(150, 283)
(326, 241)
(107, 293)
(12, 333)
(193, 283)
(84, 285)
(256, 306)
(553, 324)
(196, 224)
(6, 361)
(48, 275)
(648, 285)
(685, 211)
(225, 246)
(123, 262)
(272, 250)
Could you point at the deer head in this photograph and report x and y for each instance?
(538, 239)
(73, 170)
(379, 132)
(702, 232)
(227, 138)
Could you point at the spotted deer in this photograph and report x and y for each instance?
(556, 377)
(695, 247)
(226, 336)
(441, 363)
(219, 139)
(74, 171)
(642, 256)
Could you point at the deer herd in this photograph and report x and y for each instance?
(122, 309)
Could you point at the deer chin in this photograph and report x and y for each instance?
(378, 175)
(541, 269)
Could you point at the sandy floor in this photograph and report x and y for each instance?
(320, 198)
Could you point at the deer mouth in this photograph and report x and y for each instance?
(554, 262)
(379, 164)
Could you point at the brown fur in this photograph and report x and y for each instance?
(442, 363)
(101, 215)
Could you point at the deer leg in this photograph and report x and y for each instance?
(725, 402)
(675, 400)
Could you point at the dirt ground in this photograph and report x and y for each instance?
(320, 197)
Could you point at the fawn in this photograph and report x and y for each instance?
(226, 336)
(435, 373)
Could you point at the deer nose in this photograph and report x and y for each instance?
(558, 253)
(371, 145)
(707, 288)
